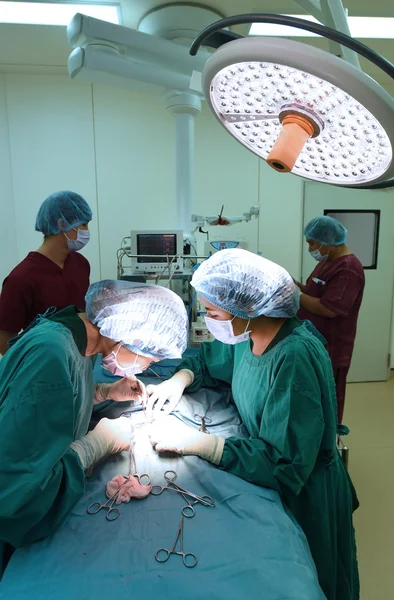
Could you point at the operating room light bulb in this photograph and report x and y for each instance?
(352, 146)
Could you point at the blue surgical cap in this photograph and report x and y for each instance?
(149, 320)
(326, 231)
(246, 285)
(61, 212)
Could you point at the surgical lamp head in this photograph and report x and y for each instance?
(302, 109)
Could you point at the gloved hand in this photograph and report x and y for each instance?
(108, 437)
(126, 389)
(170, 390)
(171, 435)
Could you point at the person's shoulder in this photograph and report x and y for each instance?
(23, 267)
(345, 266)
(21, 275)
(44, 356)
(354, 263)
(49, 339)
(303, 341)
(302, 357)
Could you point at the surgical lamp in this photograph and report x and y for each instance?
(300, 108)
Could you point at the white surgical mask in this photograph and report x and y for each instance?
(83, 236)
(224, 332)
(318, 256)
(110, 363)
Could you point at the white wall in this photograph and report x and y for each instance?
(8, 237)
(117, 149)
(51, 147)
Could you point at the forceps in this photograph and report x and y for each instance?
(163, 554)
(203, 420)
(188, 510)
(170, 477)
(108, 506)
(133, 469)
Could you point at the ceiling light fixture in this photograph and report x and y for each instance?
(302, 109)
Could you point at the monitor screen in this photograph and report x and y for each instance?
(161, 244)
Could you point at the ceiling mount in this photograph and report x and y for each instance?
(179, 23)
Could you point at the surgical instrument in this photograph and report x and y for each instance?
(188, 510)
(170, 477)
(203, 420)
(133, 469)
(163, 554)
(108, 506)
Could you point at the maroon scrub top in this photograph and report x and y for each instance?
(38, 283)
(339, 284)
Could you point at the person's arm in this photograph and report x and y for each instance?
(41, 477)
(5, 336)
(315, 306)
(291, 430)
(300, 285)
(15, 300)
(290, 434)
(212, 366)
(342, 291)
(339, 294)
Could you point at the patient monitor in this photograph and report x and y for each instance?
(152, 251)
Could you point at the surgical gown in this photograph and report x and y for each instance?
(46, 399)
(286, 399)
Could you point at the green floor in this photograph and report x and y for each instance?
(369, 413)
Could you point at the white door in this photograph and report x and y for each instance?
(371, 357)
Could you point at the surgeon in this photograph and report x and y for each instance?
(56, 274)
(47, 395)
(332, 296)
(282, 384)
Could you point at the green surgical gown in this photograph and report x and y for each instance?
(46, 400)
(286, 399)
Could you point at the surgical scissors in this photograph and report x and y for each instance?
(203, 420)
(108, 506)
(187, 557)
(170, 477)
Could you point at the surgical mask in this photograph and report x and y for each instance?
(83, 236)
(224, 332)
(318, 256)
(110, 363)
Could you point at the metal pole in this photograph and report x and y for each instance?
(335, 16)
(185, 107)
(313, 7)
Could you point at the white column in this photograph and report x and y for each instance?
(185, 107)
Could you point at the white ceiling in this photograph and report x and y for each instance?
(46, 47)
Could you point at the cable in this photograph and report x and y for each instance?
(326, 32)
(191, 305)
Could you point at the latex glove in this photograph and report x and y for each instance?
(171, 435)
(170, 390)
(126, 389)
(108, 437)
